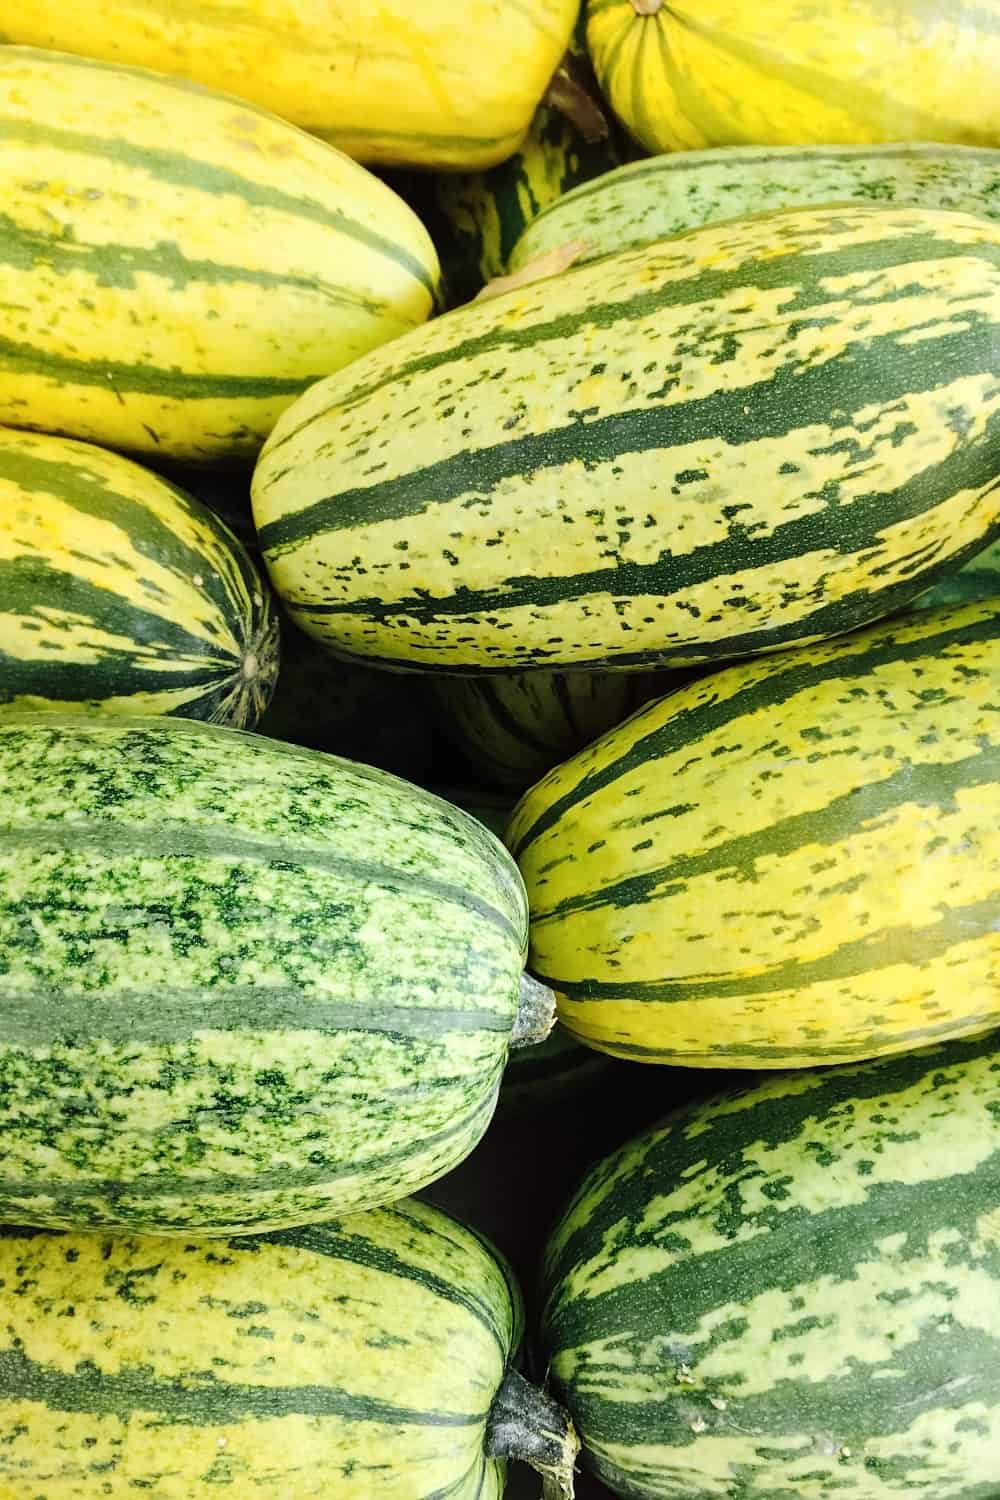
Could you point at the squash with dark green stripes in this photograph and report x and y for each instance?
(373, 1355)
(244, 985)
(979, 579)
(666, 195)
(512, 729)
(178, 265)
(477, 218)
(793, 861)
(760, 433)
(351, 709)
(426, 84)
(540, 1076)
(793, 1290)
(683, 74)
(119, 592)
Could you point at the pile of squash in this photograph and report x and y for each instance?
(500, 620)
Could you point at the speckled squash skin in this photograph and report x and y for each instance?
(120, 592)
(650, 200)
(683, 74)
(340, 1361)
(754, 435)
(179, 265)
(793, 1290)
(243, 985)
(791, 862)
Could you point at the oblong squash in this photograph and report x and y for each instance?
(792, 1290)
(758, 433)
(683, 74)
(666, 195)
(513, 728)
(792, 861)
(183, 264)
(295, 1363)
(244, 985)
(430, 84)
(120, 592)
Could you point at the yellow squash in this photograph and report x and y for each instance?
(696, 73)
(791, 862)
(435, 84)
(176, 266)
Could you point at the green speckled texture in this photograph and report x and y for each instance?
(356, 1360)
(667, 195)
(242, 985)
(793, 1292)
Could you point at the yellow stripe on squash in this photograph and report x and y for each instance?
(434, 84)
(176, 266)
(696, 73)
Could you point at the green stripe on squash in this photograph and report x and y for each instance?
(721, 444)
(120, 592)
(793, 1288)
(273, 984)
(792, 861)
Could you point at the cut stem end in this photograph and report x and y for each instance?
(536, 1013)
(525, 1423)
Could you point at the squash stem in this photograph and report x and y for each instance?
(646, 7)
(536, 1013)
(526, 1424)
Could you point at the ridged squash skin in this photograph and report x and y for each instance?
(793, 1290)
(335, 1362)
(683, 74)
(121, 593)
(512, 729)
(650, 200)
(180, 264)
(243, 985)
(756, 434)
(434, 85)
(793, 861)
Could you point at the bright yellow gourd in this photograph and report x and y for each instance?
(434, 84)
(693, 73)
(177, 266)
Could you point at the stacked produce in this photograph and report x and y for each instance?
(681, 525)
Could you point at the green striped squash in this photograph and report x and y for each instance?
(358, 1358)
(178, 265)
(667, 195)
(481, 216)
(243, 985)
(979, 579)
(683, 74)
(350, 709)
(119, 592)
(512, 729)
(793, 861)
(225, 490)
(757, 434)
(793, 1290)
